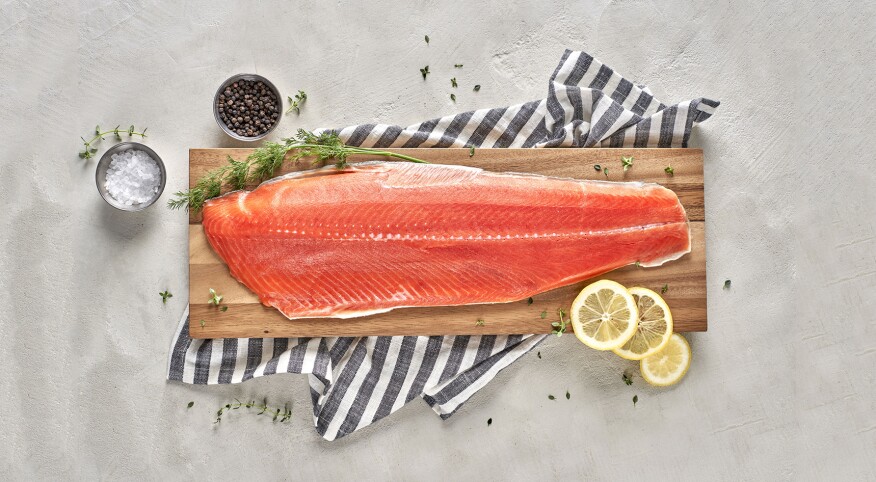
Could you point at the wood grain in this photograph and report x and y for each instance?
(686, 277)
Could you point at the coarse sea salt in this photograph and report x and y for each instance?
(132, 177)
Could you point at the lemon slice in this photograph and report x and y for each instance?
(604, 315)
(654, 328)
(669, 365)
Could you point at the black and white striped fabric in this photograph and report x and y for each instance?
(356, 381)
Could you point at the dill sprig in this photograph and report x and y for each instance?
(265, 161)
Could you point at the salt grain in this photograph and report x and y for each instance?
(132, 177)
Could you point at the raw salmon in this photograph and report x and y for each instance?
(382, 235)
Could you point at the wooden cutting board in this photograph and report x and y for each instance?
(686, 277)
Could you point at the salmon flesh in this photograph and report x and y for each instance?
(382, 235)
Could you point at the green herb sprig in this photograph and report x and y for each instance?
(424, 72)
(453, 83)
(296, 103)
(627, 378)
(165, 295)
(559, 326)
(627, 162)
(265, 161)
(278, 415)
(89, 150)
(669, 170)
(215, 298)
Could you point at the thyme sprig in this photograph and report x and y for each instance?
(264, 409)
(265, 161)
(296, 102)
(88, 151)
(559, 327)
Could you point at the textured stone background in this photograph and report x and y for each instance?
(782, 386)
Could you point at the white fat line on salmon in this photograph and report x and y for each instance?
(345, 236)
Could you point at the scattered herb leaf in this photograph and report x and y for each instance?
(276, 414)
(425, 71)
(165, 295)
(605, 171)
(559, 326)
(489, 422)
(264, 162)
(664, 289)
(296, 103)
(215, 298)
(635, 400)
(453, 97)
(203, 323)
(669, 170)
(627, 162)
(539, 355)
(568, 395)
(190, 405)
(544, 314)
(597, 168)
(627, 378)
(477, 88)
(551, 397)
(427, 40)
(637, 264)
(480, 322)
(458, 66)
(453, 83)
(224, 308)
(529, 300)
(471, 151)
(726, 284)
(89, 150)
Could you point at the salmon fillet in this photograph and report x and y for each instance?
(382, 235)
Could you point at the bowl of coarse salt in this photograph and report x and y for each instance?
(130, 176)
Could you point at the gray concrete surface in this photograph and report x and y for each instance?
(781, 387)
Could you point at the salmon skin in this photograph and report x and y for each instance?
(382, 235)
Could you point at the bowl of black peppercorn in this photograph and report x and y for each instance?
(247, 107)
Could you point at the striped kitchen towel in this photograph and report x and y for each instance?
(356, 381)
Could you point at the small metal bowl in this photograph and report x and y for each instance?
(250, 77)
(103, 166)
